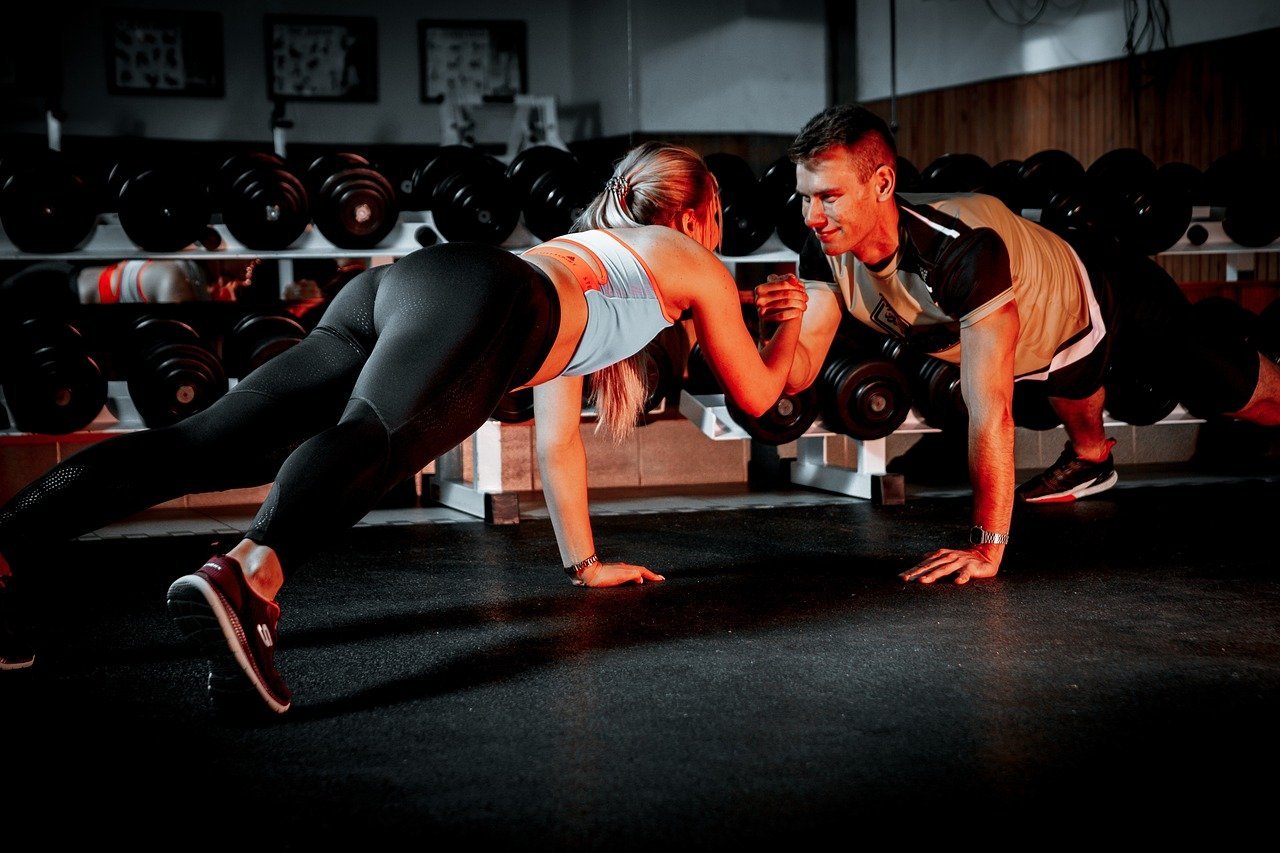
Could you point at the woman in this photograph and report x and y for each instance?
(409, 360)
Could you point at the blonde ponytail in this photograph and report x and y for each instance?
(653, 184)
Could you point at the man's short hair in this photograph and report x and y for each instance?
(852, 125)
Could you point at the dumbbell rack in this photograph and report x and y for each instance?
(109, 242)
(481, 495)
(868, 479)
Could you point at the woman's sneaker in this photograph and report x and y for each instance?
(235, 628)
(1070, 478)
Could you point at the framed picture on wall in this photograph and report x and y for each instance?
(472, 59)
(321, 58)
(161, 52)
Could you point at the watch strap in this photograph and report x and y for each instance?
(575, 570)
(978, 535)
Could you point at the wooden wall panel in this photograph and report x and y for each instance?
(1191, 104)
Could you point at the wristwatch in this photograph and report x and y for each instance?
(978, 536)
(575, 570)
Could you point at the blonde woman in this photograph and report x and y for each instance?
(408, 360)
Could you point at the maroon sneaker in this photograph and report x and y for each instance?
(235, 628)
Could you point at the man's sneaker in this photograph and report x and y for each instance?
(16, 648)
(1069, 478)
(235, 628)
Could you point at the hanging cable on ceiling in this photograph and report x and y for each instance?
(1146, 28)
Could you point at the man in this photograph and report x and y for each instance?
(966, 280)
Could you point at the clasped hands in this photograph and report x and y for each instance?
(781, 297)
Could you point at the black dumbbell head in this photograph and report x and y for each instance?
(533, 162)
(791, 228)
(786, 420)
(1135, 400)
(46, 206)
(164, 209)
(907, 176)
(355, 206)
(477, 207)
(747, 221)
(556, 200)
(52, 384)
(1048, 173)
(150, 331)
(447, 162)
(264, 203)
(256, 339)
(1002, 182)
(170, 374)
(42, 288)
(779, 180)
(954, 173)
(1121, 169)
(863, 395)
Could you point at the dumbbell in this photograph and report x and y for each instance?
(1001, 181)
(40, 288)
(862, 394)
(778, 183)
(1134, 399)
(554, 189)
(1046, 174)
(170, 373)
(351, 202)
(661, 382)
(52, 384)
(164, 205)
(954, 173)
(1139, 206)
(786, 420)
(746, 216)
(908, 178)
(263, 202)
(1245, 186)
(46, 203)
(1226, 318)
(470, 197)
(257, 338)
(934, 385)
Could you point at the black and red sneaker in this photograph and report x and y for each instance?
(1070, 478)
(235, 628)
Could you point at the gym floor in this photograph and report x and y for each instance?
(1120, 679)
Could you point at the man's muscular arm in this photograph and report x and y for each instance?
(986, 377)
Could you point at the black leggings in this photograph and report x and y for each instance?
(408, 360)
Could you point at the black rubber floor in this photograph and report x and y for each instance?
(1119, 680)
